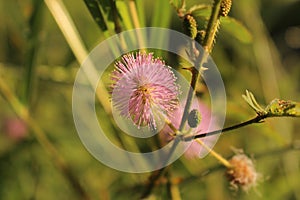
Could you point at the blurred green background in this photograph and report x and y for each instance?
(38, 65)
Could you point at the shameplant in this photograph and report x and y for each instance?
(144, 89)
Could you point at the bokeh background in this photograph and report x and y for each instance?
(261, 54)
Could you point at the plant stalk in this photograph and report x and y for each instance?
(41, 137)
(207, 44)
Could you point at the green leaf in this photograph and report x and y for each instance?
(228, 24)
(277, 107)
(141, 12)
(161, 15)
(109, 8)
(176, 3)
(202, 11)
(96, 13)
(125, 15)
(236, 29)
(105, 4)
(250, 99)
(283, 108)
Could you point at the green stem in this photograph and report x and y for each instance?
(207, 43)
(41, 137)
(115, 16)
(294, 146)
(151, 182)
(172, 189)
(34, 25)
(136, 22)
(71, 34)
(195, 77)
(212, 27)
(220, 158)
(96, 13)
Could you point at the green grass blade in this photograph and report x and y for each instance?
(236, 29)
(34, 25)
(96, 13)
(141, 12)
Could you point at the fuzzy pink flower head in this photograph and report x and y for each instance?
(207, 123)
(243, 173)
(144, 88)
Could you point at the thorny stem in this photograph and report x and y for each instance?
(195, 77)
(212, 27)
(41, 137)
(207, 44)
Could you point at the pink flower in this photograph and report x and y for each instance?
(194, 150)
(144, 89)
(15, 128)
(243, 173)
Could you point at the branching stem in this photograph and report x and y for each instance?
(207, 44)
(257, 119)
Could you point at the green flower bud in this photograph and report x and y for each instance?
(190, 26)
(225, 7)
(194, 118)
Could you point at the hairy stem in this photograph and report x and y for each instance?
(195, 77)
(212, 27)
(257, 119)
(208, 44)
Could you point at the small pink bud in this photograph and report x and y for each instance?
(15, 128)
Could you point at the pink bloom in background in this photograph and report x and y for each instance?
(143, 87)
(15, 128)
(243, 173)
(195, 150)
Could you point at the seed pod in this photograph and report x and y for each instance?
(225, 7)
(200, 36)
(194, 118)
(190, 26)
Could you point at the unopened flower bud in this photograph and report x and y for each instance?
(190, 26)
(225, 7)
(194, 118)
